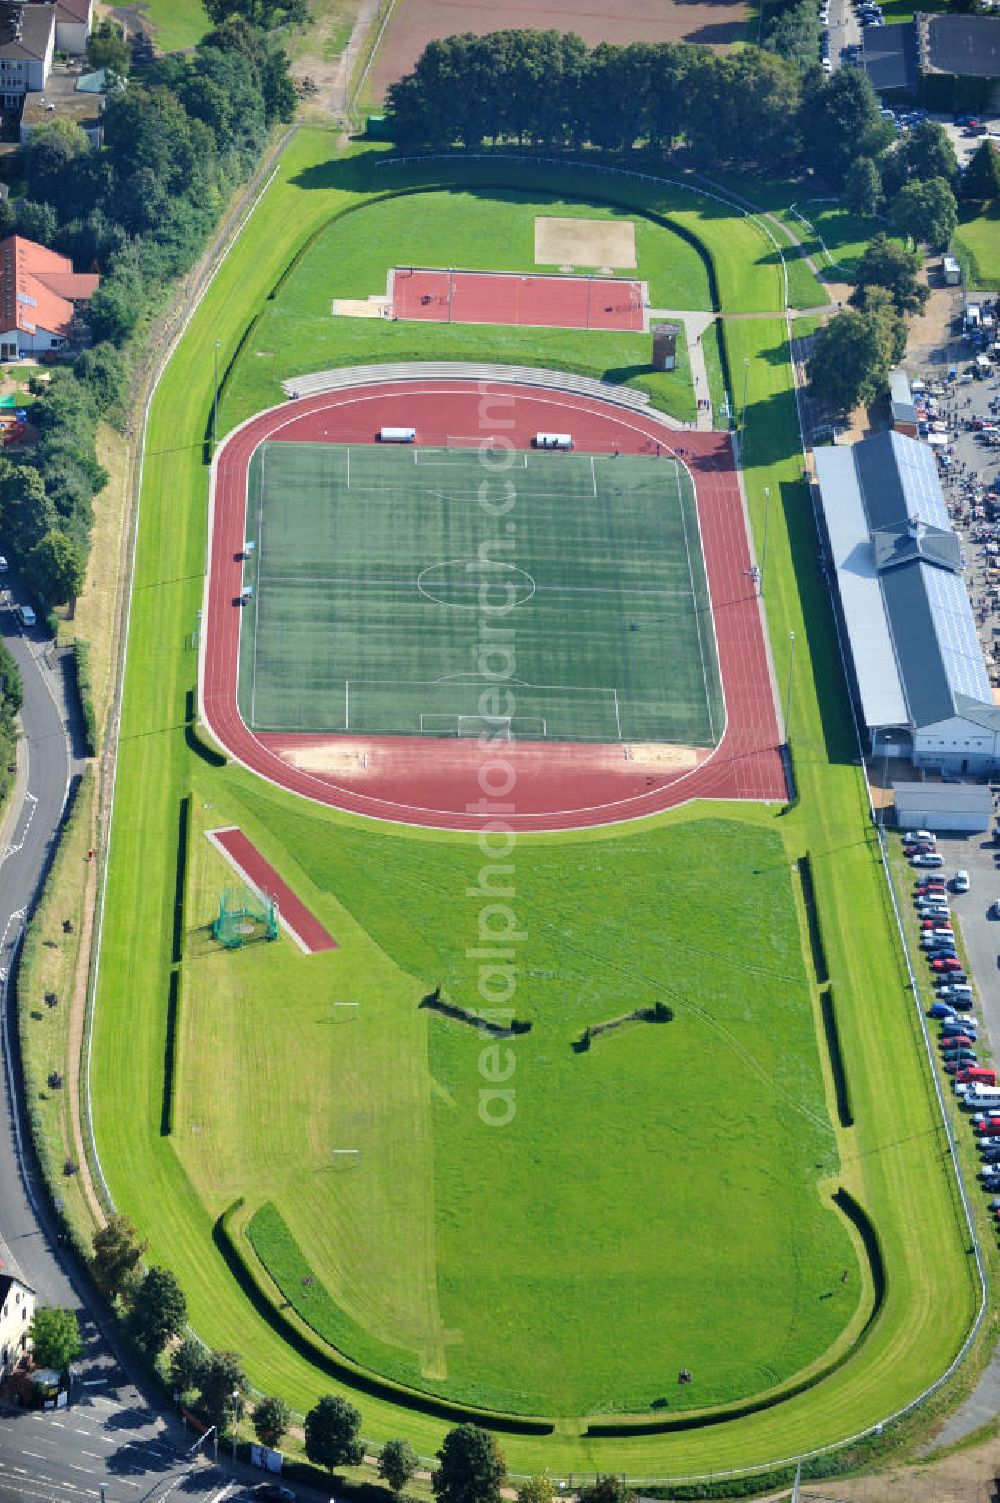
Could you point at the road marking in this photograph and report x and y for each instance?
(92, 1454)
(89, 1470)
(35, 1455)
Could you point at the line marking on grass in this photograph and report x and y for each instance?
(347, 704)
(593, 475)
(348, 467)
(618, 718)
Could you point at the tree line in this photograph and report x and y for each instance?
(138, 210)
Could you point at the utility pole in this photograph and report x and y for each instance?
(788, 686)
(763, 551)
(215, 399)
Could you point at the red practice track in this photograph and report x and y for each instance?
(261, 875)
(495, 297)
(460, 784)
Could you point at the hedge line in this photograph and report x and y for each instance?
(85, 690)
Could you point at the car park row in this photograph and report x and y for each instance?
(975, 1083)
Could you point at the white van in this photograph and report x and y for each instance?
(975, 1097)
(26, 615)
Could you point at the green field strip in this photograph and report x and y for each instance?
(891, 1162)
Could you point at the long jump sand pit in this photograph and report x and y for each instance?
(716, 23)
(585, 242)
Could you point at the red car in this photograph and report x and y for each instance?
(957, 1041)
(949, 963)
(938, 924)
(987, 1127)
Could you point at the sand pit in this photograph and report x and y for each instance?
(666, 758)
(606, 243)
(357, 307)
(335, 757)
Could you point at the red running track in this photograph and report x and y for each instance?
(495, 297)
(259, 874)
(459, 784)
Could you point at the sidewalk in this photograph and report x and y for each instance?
(694, 326)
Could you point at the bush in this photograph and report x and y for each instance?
(85, 690)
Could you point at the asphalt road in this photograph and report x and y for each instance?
(110, 1435)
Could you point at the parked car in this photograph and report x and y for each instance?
(917, 848)
(984, 1122)
(960, 882)
(957, 978)
(274, 1492)
(927, 858)
(950, 1028)
(991, 1155)
(955, 1041)
(946, 963)
(960, 1058)
(941, 1010)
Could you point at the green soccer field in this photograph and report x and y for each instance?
(390, 598)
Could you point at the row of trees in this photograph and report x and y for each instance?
(747, 108)
(139, 211)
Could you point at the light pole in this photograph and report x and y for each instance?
(743, 413)
(236, 1398)
(215, 399)
(886, 736)
(788, 686)
(763, 551)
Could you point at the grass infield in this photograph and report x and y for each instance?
(371, 564)
(400, 912)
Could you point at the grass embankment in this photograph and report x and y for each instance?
(46, 984)
(177, 24)
(891, 1159)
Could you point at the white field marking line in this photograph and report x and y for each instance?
(238, 869)
(593, 476)
(259, 581)
(618, 718)
(697, 612)
(348, 467)
(347, 704)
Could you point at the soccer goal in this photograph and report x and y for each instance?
(494, 727)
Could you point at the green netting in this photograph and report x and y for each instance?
(243, 917)
(430, 592)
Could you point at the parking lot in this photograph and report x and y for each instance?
(969, 461)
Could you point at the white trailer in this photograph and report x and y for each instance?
(553, 441)
(397, 435)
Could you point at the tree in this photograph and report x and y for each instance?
(26, 514)
(271, 1418)
(853, 354)
(262, 13)
(863, 187)
(981, 178)
(606, 1490)
(472, 1470)
(55, 1337)
(332, 1428)
(887, 263)
(221, 1376)
(840, 120)
(108, 49)
(397, 1464)
(923, 153)
(103, 371)
(36, 221)
(187, 1363)
(794, 33)
(536, 1490)
(117, 1255)
(56, 568)
(159, 1310)
(926, 212)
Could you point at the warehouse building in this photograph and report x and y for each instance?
(963, 807)
(918, 673)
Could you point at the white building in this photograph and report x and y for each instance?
(17, 1306)
(74, 20)
(40, 294)
(27, 46)
(919, 677)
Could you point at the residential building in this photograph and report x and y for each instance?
(17, 1306)
(40, 294)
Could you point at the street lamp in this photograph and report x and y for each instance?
(788, 686)
(215, 398)
(237, 1401)
(763, 551)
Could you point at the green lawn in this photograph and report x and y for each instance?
(977, 242)
(700, 901)
(369, 562)
(176, 23)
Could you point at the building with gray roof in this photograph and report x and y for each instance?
(919, 677)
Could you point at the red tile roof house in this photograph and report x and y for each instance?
(39, 296)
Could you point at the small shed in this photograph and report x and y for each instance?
(904, 412)
(964, 807)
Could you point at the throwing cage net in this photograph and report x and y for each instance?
(244, 917)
